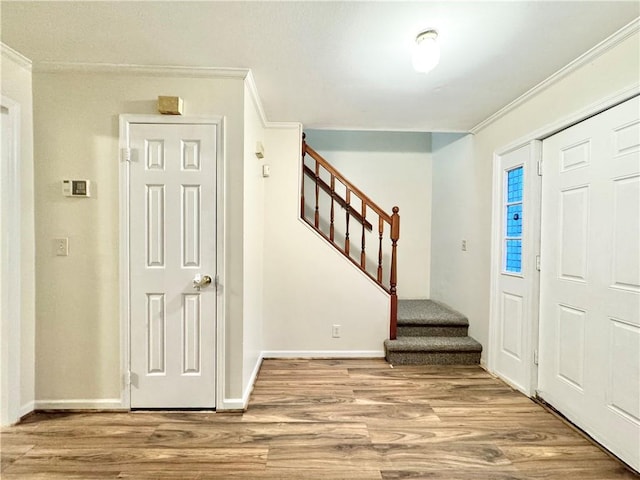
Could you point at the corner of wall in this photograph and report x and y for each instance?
(17, 85)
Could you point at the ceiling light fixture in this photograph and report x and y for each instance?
(426, 51)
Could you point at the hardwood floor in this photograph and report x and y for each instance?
(325, 420)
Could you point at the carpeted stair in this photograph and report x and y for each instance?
(429, 333)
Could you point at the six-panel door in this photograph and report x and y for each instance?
(172, 240)
(590, 279)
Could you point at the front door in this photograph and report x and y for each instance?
(590, 279)
(172, 225)
(516, 303)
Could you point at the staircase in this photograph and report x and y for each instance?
(421, 332)
(430, 333)
(352, 219)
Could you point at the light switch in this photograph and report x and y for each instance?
(266, 170)
(61, 246)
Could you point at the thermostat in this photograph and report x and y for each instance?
(76, 188)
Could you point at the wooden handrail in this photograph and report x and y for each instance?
(350, 186)
(341, 201)
(366, 205)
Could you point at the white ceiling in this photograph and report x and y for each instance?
(336, 65)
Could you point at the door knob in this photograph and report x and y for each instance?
(200, 281)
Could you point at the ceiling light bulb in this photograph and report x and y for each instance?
(426, 51)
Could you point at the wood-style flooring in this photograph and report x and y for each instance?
(325, 420)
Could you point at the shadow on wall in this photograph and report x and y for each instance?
(441, 140)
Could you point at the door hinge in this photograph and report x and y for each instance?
(538, 262)
(125, 154)
(535, 357)
(127, 378)
(539, 168)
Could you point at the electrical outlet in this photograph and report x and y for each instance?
(61, 246)
(463, 246)
(335, 331)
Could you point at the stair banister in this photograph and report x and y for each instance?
(366, 204)
(395, 236)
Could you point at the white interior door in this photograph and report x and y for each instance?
(590, 279)
(515, 304)
(172, 228)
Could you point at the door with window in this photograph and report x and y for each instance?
(172, 264)
(590, 279)
(516, 303)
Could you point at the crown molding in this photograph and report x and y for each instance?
(164, 70)
(576, 117)
(257, 101)
(250, 82)
(15, 56)
(607, 44)
(153, 70)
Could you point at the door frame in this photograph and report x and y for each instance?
(10, 316)
(126, 120)
(537, 135)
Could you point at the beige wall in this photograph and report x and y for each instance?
(462, 171)
(267, 307)
(17, 85)
(308, 285)
(78, 318)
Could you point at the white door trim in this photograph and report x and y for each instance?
(496, 211)
(10, 357)
(125, 308)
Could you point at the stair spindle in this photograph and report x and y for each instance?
(316, 219)
(363, 257)
(333, 194)
(346, 236)
(380, 230)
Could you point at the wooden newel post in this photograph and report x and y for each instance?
(304, 152)
(395, 236)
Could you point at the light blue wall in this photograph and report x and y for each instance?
(369, 141)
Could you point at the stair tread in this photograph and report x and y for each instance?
(428, 312)
(433, 344)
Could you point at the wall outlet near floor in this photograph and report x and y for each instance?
(335, 331)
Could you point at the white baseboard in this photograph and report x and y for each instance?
(226, 404)
(252, 380)
(27, 408)
(241, 403)
(232, 404)
(323, 354)
(80, 404)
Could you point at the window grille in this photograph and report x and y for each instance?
(513, 221)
